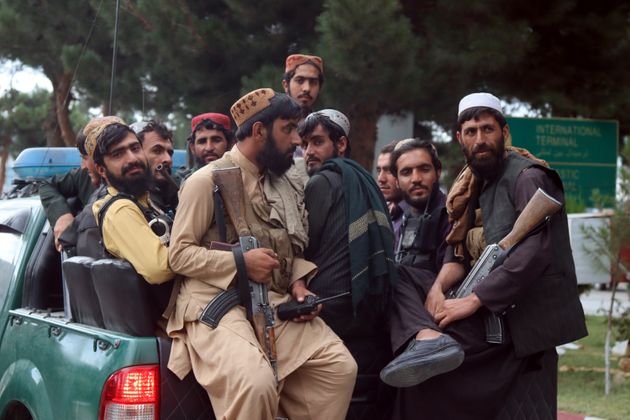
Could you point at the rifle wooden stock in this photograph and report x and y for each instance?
(232, 191)
(539, 207)
(230, 184)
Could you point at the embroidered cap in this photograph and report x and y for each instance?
(336, 117)
(93, 130)
(251, 104)
(217, 118)
(483, 99)
(295, 60)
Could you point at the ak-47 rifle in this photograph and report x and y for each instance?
(252, 295)
(166, 173)
(538, 209)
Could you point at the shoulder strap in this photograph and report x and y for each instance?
(120, 196)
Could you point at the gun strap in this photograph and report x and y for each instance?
(242, 281)
(219, 214)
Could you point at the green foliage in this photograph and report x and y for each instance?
(22, 114)
(580, 386)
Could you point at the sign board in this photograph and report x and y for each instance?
(584, 152)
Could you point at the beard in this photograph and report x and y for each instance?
(487, 167)
(273, 159)
(136, 185)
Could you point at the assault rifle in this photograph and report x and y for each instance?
(540, 207)
(253, 296)
(167, 175)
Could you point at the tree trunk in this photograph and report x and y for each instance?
(4, 157)
(62, 108)
(51, 127)
(363, 119)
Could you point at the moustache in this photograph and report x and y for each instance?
(305, 96)
(131, 166)
(482, 148)
(419, 187)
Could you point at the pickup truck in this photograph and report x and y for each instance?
(77, 339)
(87, 360)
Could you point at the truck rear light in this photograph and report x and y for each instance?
(131, 394)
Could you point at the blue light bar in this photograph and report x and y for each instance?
(43, 162)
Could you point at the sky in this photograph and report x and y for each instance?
(20, 77)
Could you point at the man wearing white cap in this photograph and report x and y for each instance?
(351, 241)
(534, 291)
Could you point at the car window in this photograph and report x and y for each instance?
(9, 250)
(13, 222)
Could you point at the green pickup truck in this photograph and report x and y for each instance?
(77, 338)
(92, 364)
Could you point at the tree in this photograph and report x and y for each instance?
(610, 241)
(71, 45)
(564, 57)
(370, 56)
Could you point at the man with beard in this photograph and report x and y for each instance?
(303, 78)
(315, 372)
(122, 163)
(210, 137)
(157, 143)
(387, 183)
(351, 241)
(534, 291)
(420, 238)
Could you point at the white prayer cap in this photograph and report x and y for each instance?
(336, 117)
(482, 99)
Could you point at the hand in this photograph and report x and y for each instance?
(260, 263)
(435, 299)
(299, 292)
(456, 309)
(62, 224)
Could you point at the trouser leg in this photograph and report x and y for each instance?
(321, 388)
(408, 313)
(238, 379)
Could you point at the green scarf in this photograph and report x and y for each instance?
(370, 234)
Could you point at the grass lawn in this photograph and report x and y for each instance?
(581, 378)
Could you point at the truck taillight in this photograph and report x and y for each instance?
(131, 394)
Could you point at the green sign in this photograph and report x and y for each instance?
(584, 152)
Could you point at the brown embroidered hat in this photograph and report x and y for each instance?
(251, 104)
(295, 60)
(93, 130)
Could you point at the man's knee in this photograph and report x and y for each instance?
(345, 367)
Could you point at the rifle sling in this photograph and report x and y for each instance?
(242, 281)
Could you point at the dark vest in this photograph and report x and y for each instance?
(549, 313)
(422, 235)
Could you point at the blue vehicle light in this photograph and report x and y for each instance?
(43, 162)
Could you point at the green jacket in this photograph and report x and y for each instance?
(55, 191)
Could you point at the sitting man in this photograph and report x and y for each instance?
(452, 369)
(315, 371)
(210, 137)
(420, 238)
(125, 212)
(157, 143)
(56, 190)
(351, 241)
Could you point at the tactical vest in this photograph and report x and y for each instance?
(420, 239)
(549, 313)
(257, 215)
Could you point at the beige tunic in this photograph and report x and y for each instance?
(222, 357)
